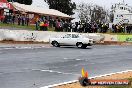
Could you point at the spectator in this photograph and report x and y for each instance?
(41, 25)
(19, 19)
(13, 19)
(45, 26)
(58, 25)
(27, 20)
(37, 23)
(23, 20)
(66, 25)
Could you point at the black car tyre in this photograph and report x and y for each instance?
(79, 45)
(89, 44)
(84, 46)
(55, 44)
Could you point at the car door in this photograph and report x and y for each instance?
(66, 39)
(74, 39)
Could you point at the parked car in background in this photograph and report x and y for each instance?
(72, 39)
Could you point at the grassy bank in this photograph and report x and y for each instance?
(15, 26)
(30, 27)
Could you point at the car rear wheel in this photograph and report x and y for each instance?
(55, 44)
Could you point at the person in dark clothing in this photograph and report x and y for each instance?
(105, 28)
(51, 22)
(99, 27)
(55, 24)
(5, 19)
(37, 22)
(128, 29)
(23, 20)
(66, 25)
(13, 19)
(27, 20)
(76, 26)
(87, 27)
(58, 25)
(113, 28)
(19, 20)
(9, 18)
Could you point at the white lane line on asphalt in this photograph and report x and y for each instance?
(66, 58)
(54, 85)
(59, 72)
(78, 59)
(51, 71)
(73, 59)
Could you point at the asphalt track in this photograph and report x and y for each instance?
(35, 66)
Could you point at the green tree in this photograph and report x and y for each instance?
(27, 2)
(65, 6)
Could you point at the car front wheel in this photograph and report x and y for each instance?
(55, 44)
(81, 45)
(84, 46)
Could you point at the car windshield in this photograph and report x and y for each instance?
(67, 36)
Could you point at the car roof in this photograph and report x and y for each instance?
(74, 33)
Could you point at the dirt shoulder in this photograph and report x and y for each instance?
(125, 75)
(115, 43)
(31, 42)
(22, 42)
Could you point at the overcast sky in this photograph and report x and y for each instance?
(105, 3)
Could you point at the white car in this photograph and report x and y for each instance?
(73, 39)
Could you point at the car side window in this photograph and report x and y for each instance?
(67, 36)
(75, 36)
